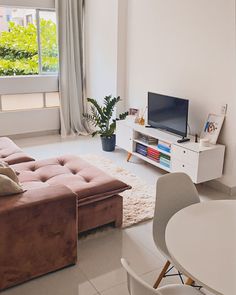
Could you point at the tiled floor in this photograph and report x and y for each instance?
(99, 270)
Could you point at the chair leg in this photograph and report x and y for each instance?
(129, 156)
(189, 282)
(161, 275)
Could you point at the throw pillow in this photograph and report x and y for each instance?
(8, 186)
(3, 164)
(8, 171)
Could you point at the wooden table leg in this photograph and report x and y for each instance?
(189, 282)
(129, 156)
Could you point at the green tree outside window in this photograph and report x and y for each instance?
(19, 49)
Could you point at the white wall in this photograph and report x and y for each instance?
(185, 48)
(105, 48)
(29, 121)
(101, 47)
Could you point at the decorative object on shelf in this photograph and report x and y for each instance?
(164, 146)
(133, 112)
(141, 149)
(204, 142)
(212, 127)
(141, 120)
(148, 139)
(153, 154)
(133, 115)
(101, 117)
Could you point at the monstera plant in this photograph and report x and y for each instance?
(101, 117)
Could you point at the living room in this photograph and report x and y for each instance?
(180, 49)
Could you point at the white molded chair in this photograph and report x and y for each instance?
(174, 192)
(137, 286)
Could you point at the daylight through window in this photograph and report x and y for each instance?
(28, 42)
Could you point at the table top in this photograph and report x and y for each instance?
(201, 239)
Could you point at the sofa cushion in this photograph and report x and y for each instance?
(87, 181)
(11, 153)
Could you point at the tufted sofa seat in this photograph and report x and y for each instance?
(97, 192)
(11, 153)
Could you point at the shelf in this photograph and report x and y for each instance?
(153, 147)
(151, 161)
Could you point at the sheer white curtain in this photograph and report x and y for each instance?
(70, 41)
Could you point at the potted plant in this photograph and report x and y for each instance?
(101, 117)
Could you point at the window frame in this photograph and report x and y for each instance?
(43, 82)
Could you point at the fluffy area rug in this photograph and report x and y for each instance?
(139, 202)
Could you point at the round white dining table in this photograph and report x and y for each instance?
(201, 240)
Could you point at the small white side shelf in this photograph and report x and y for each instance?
(200, 163)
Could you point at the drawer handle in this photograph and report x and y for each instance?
(183, 166)
(184, 152)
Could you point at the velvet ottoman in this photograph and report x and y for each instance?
(97, 193)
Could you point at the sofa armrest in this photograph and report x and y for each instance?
(38, 233)
(34, 196)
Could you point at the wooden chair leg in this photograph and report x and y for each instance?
(161, 275)
(189, 282)
(129, 156)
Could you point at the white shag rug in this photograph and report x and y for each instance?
(139, 202)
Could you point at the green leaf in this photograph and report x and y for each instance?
(19, 49)
(101, 116)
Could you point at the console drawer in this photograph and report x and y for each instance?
(184, 155)
(185, 167)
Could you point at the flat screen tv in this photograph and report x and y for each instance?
(168, 113)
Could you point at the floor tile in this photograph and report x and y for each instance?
(100, 260)
(117, 290)
(69, 281)
(143, 234)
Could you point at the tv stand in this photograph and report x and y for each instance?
(165, 152)
(183, 139)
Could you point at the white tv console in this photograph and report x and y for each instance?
(200, 163)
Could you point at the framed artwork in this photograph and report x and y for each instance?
(212, 127)
(133, 112)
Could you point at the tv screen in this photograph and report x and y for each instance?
(168, 113)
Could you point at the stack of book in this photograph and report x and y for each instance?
(141, 149)
(165, 160)
(153, 154)
(164, 146)
(148, 139)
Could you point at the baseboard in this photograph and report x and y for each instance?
(219, 186)
(34, 134)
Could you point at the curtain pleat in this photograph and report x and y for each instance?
(71, 66)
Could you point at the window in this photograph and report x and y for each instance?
(29, 19)
(28, 42)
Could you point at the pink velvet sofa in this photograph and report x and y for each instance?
(64, 196)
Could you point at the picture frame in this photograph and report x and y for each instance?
(133, 112)
(212, 127)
